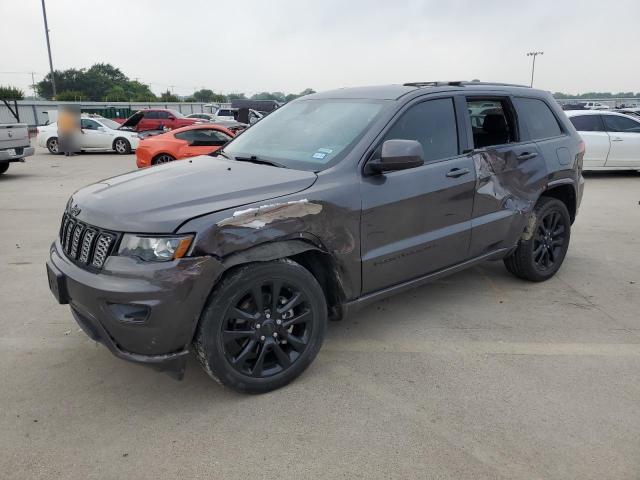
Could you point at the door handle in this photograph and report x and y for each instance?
(457, 172)
(527, 156)
(616, 139)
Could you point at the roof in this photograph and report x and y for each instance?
(394, 92)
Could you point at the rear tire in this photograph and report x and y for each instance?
(53, 146)
(254, 340)
(4, 167)
(540, 257)
(162, 158)
(121, 146)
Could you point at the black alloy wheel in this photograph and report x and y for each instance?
(263, 325)
(539, 255)
(548, 240)
(267, 329)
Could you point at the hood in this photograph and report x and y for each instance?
(132, 121)
(159, 199)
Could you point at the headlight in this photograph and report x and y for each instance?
(154, 249)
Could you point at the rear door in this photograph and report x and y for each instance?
(149, 121)
(625, 141)
(510, 169)
(417, 221)
(596, 139)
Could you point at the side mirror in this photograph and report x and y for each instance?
(102, 129)
(397, 155)
(171, 117)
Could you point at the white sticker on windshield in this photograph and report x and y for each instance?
(325, 150)
(319, 155)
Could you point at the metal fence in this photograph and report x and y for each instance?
(34, 112)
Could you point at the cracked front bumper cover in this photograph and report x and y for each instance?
(143, 312)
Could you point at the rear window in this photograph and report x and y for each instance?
(538, 117)
(587, 123)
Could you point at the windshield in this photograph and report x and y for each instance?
(110, 123)
(307, 134)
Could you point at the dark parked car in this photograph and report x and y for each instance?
(329, 203)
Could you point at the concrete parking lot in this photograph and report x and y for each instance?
(478, 375)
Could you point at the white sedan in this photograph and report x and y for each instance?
(612, 140)
(98, 133)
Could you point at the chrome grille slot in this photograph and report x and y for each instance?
(86, 245)
(102, 250)
(67, 236)
(75, 240)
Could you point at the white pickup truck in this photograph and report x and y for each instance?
(14, 144)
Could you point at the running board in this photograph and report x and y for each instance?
(355, 305)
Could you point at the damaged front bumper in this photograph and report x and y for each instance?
(143, 312)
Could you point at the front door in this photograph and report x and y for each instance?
(418, 221)
(93, 134)
(624, 133)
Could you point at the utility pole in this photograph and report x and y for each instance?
(33, 84)
(533, 67)
(46, 31)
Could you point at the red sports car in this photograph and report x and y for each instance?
(181, 143)
(158, 119)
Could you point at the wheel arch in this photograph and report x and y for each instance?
(318, 261)
(113, 144)
(162, 152)
(565, 191)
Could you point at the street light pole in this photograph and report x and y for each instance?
(533, 67)
(46, 31)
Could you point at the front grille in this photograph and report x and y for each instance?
(86, 245)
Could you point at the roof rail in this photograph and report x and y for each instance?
(461, 83)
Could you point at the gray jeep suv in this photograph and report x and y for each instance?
(333, 201)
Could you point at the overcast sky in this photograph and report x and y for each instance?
(286, 45)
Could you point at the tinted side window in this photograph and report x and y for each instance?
(538, 117)
(89, 124)
(615, 123)
(151, 115)
(189, 135)
(587, 123)
(433, 124)
(163, 115)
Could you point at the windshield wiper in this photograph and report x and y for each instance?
(259, 161)
(221, 153)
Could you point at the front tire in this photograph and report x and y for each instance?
(121, 146)
(540, 257)
(53, 146)
(4, 167)
(262, 327)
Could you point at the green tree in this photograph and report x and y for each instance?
(168, 97)
(96, 83)
(70, 96)
(11, 93)
(116, 93)
(236, 96)
(204, 95)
